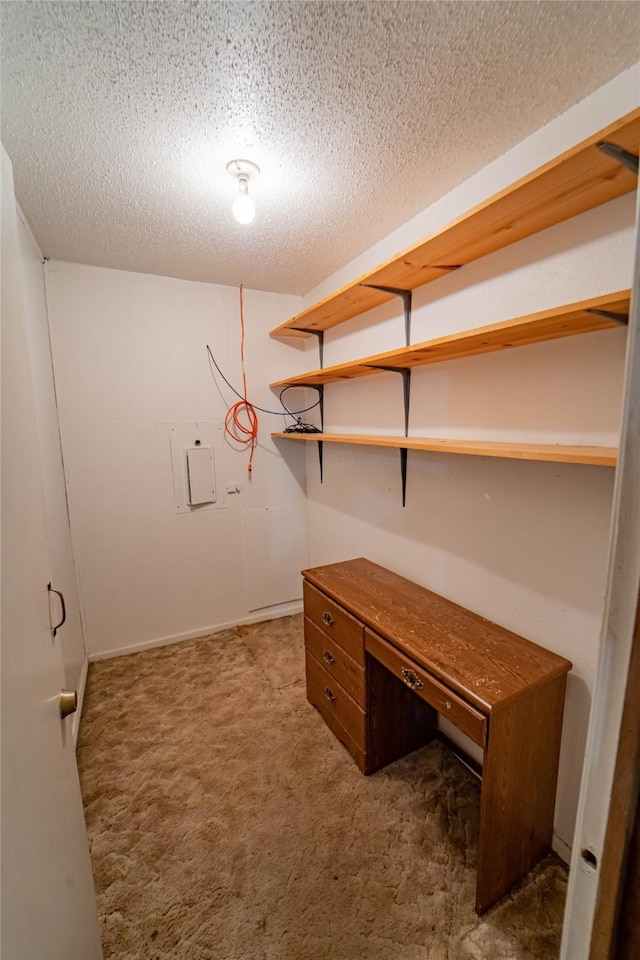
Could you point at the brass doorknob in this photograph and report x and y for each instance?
(68, 703)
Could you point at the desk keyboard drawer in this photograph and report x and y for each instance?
(333, 701)
(335, 661)
(445, 701)
(335, 622)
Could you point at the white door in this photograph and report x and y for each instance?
(56, 516)
(613, 665)
(48, 902)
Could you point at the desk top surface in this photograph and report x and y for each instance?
(484, 662)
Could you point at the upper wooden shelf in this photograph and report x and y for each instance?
(566, 321)
(578, 180)
(510, 450)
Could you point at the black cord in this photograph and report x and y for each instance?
(276, 413)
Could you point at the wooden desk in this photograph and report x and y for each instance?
(384, 656)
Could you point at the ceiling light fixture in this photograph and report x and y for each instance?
(243, 207)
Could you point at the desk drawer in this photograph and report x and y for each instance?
(335, 661)
(465, 717)
(333, 702)
(335, 622)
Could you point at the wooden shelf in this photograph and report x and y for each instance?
(511, 450)
(578, 180)
(565, 321)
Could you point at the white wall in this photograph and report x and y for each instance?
(524, 544)
(130, 359)
(63, 575)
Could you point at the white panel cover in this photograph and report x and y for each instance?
(200, 475)
(275, 547)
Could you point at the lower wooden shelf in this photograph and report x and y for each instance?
(554, 452)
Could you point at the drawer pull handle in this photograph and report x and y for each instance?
(448, 704)
(412, 679)
(329, 694)
(329, 657)
(328, 619)
(63, 613)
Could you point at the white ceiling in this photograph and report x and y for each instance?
(120, 118)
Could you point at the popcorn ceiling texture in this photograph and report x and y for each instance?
(227, 823)
(120, 117)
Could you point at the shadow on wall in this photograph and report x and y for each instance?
(535, 270)
(574, 742)
(571, 237)
(568, 391)
(528, 522)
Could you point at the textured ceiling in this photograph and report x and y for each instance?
(120, 118)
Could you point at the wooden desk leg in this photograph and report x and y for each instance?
(518, 789)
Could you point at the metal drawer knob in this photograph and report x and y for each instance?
(412, 679)
(448, 704)
(328, 619)
(329, 657)
(329, 694)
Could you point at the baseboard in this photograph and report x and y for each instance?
(562, 848)
(559, 846)
(272, 613)
(472, 765)
(77, 717)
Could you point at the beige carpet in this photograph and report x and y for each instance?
(226, 823)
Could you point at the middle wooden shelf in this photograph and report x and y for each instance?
(508, 449)
(585, 316)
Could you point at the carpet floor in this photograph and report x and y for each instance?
(226, 822)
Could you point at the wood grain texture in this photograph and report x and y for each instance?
(627, 944)
(577, 180)
(519, 778)
(328, 652)
(425, 654)
(483, 662)
(334, 621)
(339, 732)
(332, 700)
(617, 912)
(398, 722)
(564, 321)
(509, 450)
(466, 718)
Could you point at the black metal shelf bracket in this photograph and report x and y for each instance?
(315, 333)
(627, 159)
(405, 373)
(405, 296)
(320, 388)
(403, 474)
(621, 318)
(406, 394)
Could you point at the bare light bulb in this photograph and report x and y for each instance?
(243, 208)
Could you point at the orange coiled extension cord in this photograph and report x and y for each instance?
(243, 432)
